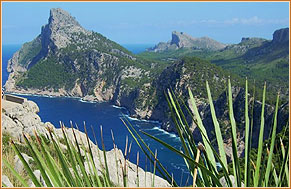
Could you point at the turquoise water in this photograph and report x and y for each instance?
(96, 114)
(137, 48)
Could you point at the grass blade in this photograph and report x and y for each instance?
(203, 130)
(236, 167)
(154, 172)
(52, 170)
(247, 137)
(286, 166)
(26, 166)
(115, 157)
(217, 128)
(269, 164)
(185, 156)
(274, 173)
(180, 131)
(72, 158)
(285, 160)
(17, 175)
(107, 177)
(137, 164)
(261, 136)
(167, 176)
(38, 159)
(195, 170)
(64, 164)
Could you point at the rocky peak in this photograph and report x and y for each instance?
(181, 39)
(60, 29)
(244, 39)
(60, 17)
(281, 36)
(251, 41)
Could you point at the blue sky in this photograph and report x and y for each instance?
(150, 22)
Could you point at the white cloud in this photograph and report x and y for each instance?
(235, 21)
(245, 21)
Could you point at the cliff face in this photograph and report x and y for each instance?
(281, 36)
(183, 40)
(23, 118)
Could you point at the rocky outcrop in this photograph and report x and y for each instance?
(183, 40)
(60, 29)
(281, 36)
(23, 118)
(6, 181)
(232, 179)
(246, 44)
(18, 165)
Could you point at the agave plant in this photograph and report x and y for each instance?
(201, 159)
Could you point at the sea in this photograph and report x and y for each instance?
(95, 115)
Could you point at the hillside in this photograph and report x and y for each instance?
(255, 58)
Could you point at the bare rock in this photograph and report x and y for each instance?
(232, 179)
(18, 165)
(6, 181)
(39, 178)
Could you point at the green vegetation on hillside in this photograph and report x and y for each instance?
(29, 51)
(255, 58)
(47, 74)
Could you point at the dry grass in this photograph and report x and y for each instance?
(9, 154)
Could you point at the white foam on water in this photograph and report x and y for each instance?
(118, 107)
(132, 118)
(143, 120)
(86, 101)
(160, 134)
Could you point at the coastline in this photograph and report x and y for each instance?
(80, 99)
